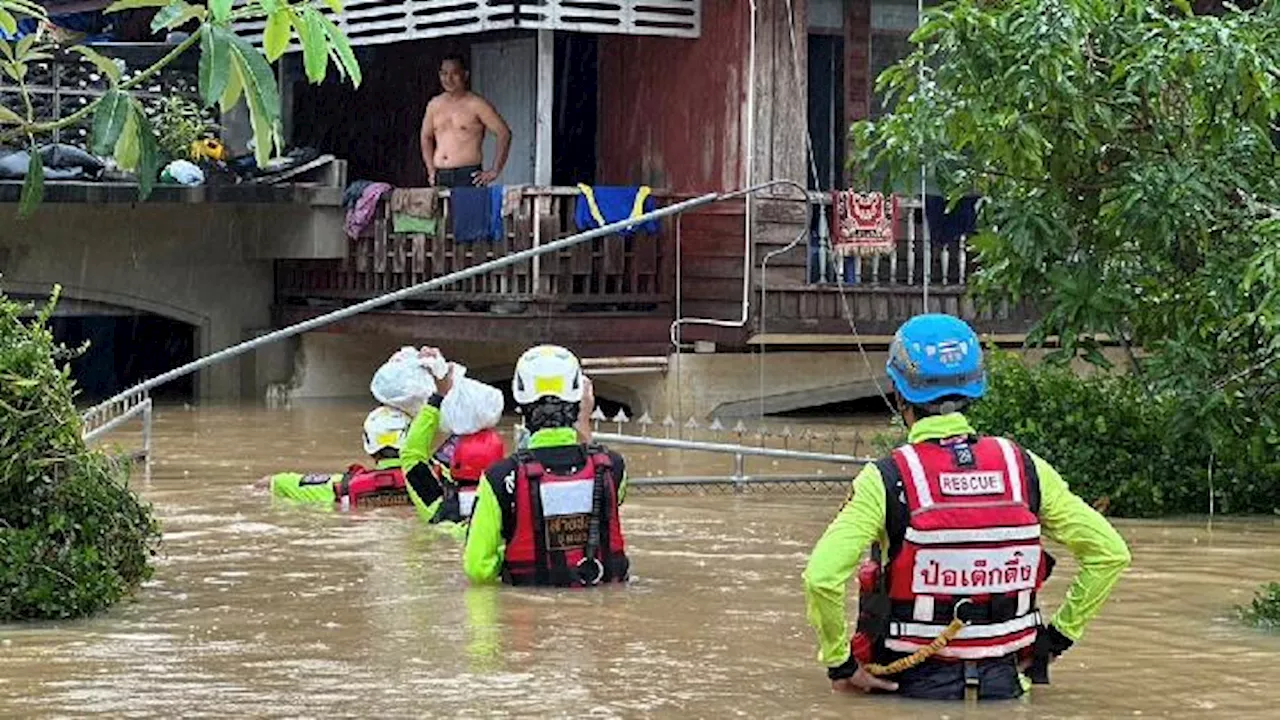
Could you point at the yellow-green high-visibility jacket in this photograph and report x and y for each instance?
(1064, 517)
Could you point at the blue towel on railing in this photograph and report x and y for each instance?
(604, 204)
(496, 229)
(472, 209)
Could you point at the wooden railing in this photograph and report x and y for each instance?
(948, 266)
(875, 293)
(604, 274)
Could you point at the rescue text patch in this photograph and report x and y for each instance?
(972, 483)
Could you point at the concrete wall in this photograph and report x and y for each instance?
(198, 263)
(330, 365)
(724, 385)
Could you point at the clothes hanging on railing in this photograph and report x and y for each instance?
(604, 204)
(865, 223)
(949, 228)
(360, 212)
(413, 210)
(477, 213)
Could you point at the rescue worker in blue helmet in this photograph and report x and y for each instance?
(953, 521)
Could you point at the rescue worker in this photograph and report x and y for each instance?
(548, 515)
(385, 433)
(956, 520)
(442, 487)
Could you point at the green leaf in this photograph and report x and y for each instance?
(148, 153)
(221, 9)
(338, 42)
(215, 65)
(108, 68)
(123, 5)
(32, 186)
(176, 14)
(312, 34)
(334, 5)
(23, 47)
(260, 92)
(235, 86)
(269, 7)
(8, 23)
(275, 38)
(7, 49)
(9, 117)
(109, 120)
(1184, 6)
(127, 150)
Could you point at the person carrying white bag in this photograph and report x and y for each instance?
(439, 395)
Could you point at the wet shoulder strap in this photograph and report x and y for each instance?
(1032, 477)
(896, 512)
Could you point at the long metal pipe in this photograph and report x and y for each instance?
(372, 303)
(730, 449)
(728, 480)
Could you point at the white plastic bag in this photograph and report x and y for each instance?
(404, 382)
(471, 406)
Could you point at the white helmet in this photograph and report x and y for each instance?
(547, 371)
(385, 427)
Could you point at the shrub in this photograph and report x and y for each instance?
(1111, 439)
(1264, 612)
(74, 539)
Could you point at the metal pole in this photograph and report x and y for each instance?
(731, 449)
(739, 474)
(146, 442)
(924, 215)
(403, 293)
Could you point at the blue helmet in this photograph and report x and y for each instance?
(933, 356)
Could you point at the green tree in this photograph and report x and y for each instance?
(231, 70)
(1128, 153)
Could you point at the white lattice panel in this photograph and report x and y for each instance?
(376, 22)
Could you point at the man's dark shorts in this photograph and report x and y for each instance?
(457, 177)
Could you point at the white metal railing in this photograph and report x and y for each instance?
(376, 22)
(102, 419)
(738, 479)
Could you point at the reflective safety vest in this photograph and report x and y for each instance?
(469, 457)
(964, 542)
(362, 486)
(567, 531)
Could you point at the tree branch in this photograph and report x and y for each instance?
(145, 75)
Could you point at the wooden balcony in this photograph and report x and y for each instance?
(614, 292)
(618, 296)
(808, 296)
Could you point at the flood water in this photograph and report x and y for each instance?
(262, 610)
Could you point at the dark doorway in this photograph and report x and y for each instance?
(575, 108)
(125, 350)
(826, 110)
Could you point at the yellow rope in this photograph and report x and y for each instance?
(920, 655)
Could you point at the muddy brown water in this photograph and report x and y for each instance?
(264, 610)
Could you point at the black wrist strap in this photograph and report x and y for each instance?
(843, 670)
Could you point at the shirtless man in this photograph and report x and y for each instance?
(453, 131)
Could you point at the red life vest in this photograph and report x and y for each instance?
(362, 486)
(967, 544)
(567, 531)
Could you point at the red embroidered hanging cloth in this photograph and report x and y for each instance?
(865, 223)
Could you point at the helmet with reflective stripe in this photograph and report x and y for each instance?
(385, 428)
(547, 371)
(935, 356)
